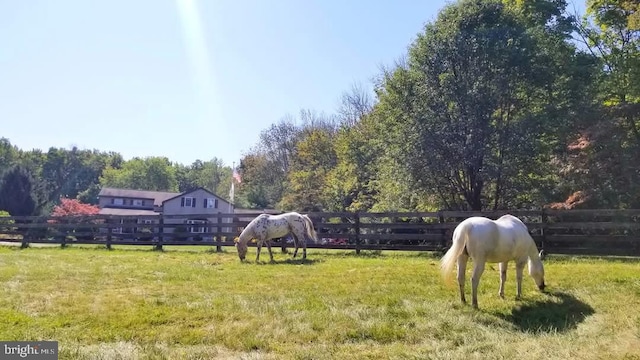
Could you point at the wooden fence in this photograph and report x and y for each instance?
(588, 232)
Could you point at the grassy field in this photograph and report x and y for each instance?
(196, 304)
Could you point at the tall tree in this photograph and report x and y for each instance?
(603, 162)
(19, 194)
(355, 104)
(313, 160)
(151, 173)
(477, 102)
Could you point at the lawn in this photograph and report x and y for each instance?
(196, 304)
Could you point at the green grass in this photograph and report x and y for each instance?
(195, 304)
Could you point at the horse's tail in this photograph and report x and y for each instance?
(311, 232)
(449, 260)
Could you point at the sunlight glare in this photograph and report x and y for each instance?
(199, 61)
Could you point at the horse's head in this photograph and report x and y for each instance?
(536, 270)
(242, 249)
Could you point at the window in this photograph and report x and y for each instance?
(196, 229)
(138, 202)
(147, 221)
(188, 202)
(210, 203)
(124, 230)
(117, 201)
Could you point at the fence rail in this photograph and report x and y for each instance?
(589, 232)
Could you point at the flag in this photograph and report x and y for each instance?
(231, 192)
(236, 176)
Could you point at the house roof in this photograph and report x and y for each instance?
(158, 197)
(256, 211)
(125, 212)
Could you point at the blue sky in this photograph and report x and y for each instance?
(186, 79)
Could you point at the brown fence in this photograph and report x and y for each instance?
(589, 232)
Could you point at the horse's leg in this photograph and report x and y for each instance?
(258, 247)
(295, 244)
(519, 269)
(462, 270)
(478, 269)
(503, 277)
(300, 237)
(304, 248)
(269, 248)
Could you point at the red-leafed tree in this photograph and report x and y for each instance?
(73, 207)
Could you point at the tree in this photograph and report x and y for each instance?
(74, 207)
(211, 175)
(350, 185)
(8, 154)
(18, 195)
(354, 105)
(477, 104)
(313, 160)
(151, 173)
(602, 159)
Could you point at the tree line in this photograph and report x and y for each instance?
(35, 182)
(495, 105)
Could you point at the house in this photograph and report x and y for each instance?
(189, 209)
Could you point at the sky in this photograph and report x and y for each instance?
(185, 79)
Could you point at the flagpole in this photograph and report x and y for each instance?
(231, 195)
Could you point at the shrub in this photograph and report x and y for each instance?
(180, 233)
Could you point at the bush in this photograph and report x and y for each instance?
(180, 232)
(146, 234)
(5, 224)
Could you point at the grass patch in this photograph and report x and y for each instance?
(196, 304)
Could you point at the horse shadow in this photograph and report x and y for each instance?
(559, 312)
(299, 261)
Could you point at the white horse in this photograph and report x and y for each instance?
(266, 227)
(499, 241)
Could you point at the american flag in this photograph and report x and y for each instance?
(236, 176)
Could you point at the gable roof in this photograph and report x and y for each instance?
(194, 190)
(158, 197)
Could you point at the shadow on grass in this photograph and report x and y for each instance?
(297, 261)
(559, 312)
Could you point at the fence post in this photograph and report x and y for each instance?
(543, 229)
(109, 234)
(25, 235)
(443, 240)
(357, 231)
(218, 231)
(63, 240)
(160, 237)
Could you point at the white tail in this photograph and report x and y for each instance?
(309, 227)
(449, 260)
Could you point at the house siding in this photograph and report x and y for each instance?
(177, 206)
(128, 202)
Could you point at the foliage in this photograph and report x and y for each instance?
(477, 103)
(150, 173)
(5, 223)
(73, 207)
(603, 160)
(19, 192)
(314, 158)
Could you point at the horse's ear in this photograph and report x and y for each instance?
(542, 255)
